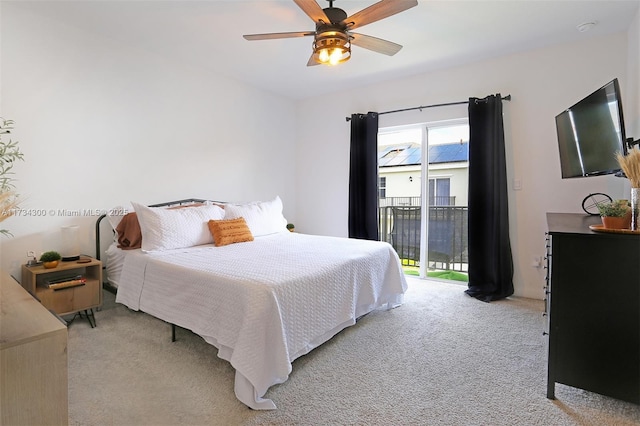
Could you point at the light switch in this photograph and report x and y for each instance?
(517, 184)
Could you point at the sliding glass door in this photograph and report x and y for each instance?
(423, 175)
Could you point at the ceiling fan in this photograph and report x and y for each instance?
(333, 36)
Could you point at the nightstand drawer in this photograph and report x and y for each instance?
(71, 299)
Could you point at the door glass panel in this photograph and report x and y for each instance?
(400, 171)
(448, 167)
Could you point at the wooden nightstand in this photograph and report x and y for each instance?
(67, 300)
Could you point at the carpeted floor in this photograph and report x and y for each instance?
(442, 358)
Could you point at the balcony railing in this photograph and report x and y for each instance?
(447, 243)
(415, 201)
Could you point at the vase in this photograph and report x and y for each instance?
(50, 265)
(635, 209)
(611, 222)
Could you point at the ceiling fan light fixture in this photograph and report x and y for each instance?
(331, 47)
(332, 38)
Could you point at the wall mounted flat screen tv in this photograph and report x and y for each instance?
(591, 132)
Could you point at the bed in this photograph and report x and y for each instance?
(262, 301)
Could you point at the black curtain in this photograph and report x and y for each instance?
(363, 177)
(490, 259)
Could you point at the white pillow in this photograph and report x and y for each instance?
(170, 228)
(115, 215)
(263, 218)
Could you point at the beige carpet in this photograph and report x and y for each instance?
(442, 358)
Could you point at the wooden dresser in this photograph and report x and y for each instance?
(33, 360)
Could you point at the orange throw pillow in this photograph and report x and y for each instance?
(229, 231)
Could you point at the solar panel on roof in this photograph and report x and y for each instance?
(414, 158)
(448, 153)
(406, 155)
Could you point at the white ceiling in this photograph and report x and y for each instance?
(435, 34)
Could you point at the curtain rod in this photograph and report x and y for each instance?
(504, 98)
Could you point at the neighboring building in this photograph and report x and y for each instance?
(399, 171)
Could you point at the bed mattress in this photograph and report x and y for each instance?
(264, 303)
(114, 261)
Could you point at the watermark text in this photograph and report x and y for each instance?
(25, 212)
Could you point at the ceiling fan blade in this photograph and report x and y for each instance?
(313, 10)
(378, 11)
(376, 44)
(312, 62)
(270, 36)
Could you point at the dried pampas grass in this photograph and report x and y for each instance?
(8, 204)
(630, 165)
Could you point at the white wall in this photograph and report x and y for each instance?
(542, 83)
(398, 183)
(632, 101)
(101, 123)
(0, 58)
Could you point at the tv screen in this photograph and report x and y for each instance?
(591, 132)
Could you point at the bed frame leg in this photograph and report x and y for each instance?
(173, 332)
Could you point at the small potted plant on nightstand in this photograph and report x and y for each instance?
(616, 214)
(50, 259)
(291, 227)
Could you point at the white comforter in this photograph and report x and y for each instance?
(264, 303)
